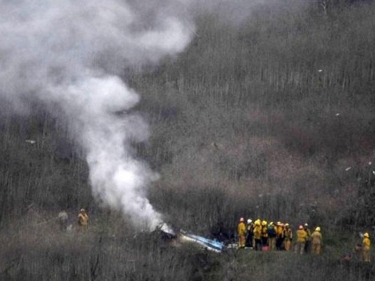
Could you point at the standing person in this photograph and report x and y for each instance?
(250, 233)
(257, 235)
(279, 235)
(308, 237)
(63, 220)
(281, 247)
(288, 237)
(264, 236)
(241, 229)
(301, 240)
(366, 244)
(83, 220)
(271, 236)
(316, 241)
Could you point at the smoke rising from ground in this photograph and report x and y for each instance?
(67, 55)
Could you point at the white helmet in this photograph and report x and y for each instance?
(249, 221)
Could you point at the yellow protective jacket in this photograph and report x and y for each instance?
(279, 231)
(366, 243)
(264, 231)
(241, 229)
(301, 235)
(83, 219)
(316, 237)
(257, 232)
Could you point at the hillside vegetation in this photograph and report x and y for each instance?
(265, 118)
(270, 117)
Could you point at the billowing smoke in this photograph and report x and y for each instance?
(67, 55)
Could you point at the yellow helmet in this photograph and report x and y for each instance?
(366, 235)
(264, 222)
(317, 229)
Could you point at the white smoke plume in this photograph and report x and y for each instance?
(67, 55)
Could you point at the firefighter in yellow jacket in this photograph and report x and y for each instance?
(301, 240)
(316, 241)
(366, 244)
(257, 235)
(83, 220)
(241, 229)
(288, 237)
(279, 235)
(264, 236)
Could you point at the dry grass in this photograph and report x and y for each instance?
(34, 250)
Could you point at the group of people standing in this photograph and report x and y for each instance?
(263, 236)
(66, 225)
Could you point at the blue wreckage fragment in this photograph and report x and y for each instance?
(209, 244)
